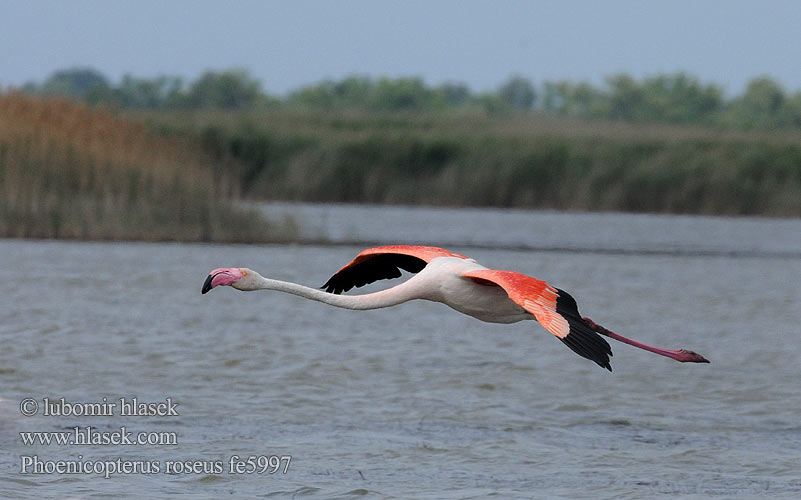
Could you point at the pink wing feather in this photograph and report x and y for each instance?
(554, 309)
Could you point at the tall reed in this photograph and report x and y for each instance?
(472, 159)
(69, 171)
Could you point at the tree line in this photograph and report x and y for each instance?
(676, 98)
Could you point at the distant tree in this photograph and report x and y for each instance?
(581, 99)
(454, 94)
(518, 93)
(320, 95)
(361, 92)
(229, 89)
(354, 91)
(792, 109)
(163, 91)
(554, 96)
(351, 92)
(491, 103)
(75, 82)
(678, 98)
(587, 101)
(763, 96)
(764, 104)
(625, 98)
(663, 98)
(401, 94)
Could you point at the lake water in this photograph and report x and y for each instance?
(415, 401)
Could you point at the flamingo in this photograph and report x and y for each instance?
(460, 283)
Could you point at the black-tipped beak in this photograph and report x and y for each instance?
(207, 284)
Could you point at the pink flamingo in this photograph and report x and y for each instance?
(459, 282)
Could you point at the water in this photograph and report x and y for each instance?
(418, 401)
(554, 231)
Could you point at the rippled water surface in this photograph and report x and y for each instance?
(417, 401)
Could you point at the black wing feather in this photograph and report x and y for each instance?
(373, 268)
(582, 339)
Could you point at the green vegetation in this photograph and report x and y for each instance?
(667, 98)
(521, 161)
(68, 171)
(663, 144)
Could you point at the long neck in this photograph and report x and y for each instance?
(385, 298)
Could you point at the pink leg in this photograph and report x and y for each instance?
(682, 355)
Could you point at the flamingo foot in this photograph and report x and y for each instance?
(687, 356)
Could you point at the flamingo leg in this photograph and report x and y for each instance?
(681, 355)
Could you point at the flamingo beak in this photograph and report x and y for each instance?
(223, 276)
(207, 284)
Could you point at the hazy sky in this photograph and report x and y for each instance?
(480, 43)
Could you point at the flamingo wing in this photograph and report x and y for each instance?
(554, 309)
(384, 262)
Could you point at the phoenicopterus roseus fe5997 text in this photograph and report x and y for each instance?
(459, 282)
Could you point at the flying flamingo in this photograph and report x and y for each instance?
(456, 281)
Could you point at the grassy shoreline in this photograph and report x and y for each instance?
(73, 172)
(478, 160)
(69, 171)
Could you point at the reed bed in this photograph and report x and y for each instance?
(70, 171)
(477, 160)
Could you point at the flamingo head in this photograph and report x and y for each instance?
(240, 278)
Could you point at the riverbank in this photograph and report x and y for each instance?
(73, 172)
(473, 159)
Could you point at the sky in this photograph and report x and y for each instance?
(287, 44)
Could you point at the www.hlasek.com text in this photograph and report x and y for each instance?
(88, 435)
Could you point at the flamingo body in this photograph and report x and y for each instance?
(459, 282)
(445, 280)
